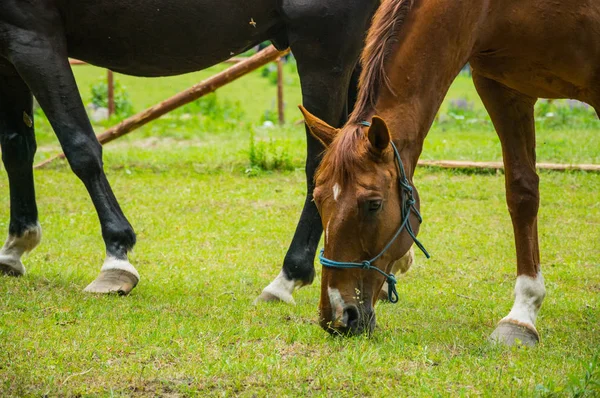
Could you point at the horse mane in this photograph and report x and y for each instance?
(381, 39)
(350, 145)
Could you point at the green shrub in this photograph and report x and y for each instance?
(270, 73)
(463, 114)
(123, 106)
(268, 155)
(553, 114)
(213, 114)
(578, 386)
(269, 115)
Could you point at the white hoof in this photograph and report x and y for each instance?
(113, 281)
(11, 265)
(116, 276)
(280, 289)
(15, 247)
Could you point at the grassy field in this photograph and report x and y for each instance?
(213, 225)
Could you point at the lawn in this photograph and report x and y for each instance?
(213, 225)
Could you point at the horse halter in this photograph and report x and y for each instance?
(408, 207)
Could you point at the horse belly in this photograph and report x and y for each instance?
(161, 37)
(544, 51)
(538, 79)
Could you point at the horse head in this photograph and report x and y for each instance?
(360, 192)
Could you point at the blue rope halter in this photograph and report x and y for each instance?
(408, 206)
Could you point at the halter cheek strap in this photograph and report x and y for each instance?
(408, 207)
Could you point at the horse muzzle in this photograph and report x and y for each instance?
(349, 320)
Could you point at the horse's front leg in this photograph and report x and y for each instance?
(324, 93)
(512, 115)
(327, 53)
(39, 54)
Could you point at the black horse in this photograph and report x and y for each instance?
(158, 38)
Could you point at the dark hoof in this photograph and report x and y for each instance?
(113, 281)
(511, 334)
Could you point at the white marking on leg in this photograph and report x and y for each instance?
(336, 191)
(384, 288)
(529, 295)
(327, 232)
(404, 263)
(16, 246)
(282, 288)
(114, 263)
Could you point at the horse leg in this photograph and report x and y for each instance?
(512, 115)
(17, 140)
(40, 58)
(324, 93)
(326, 54)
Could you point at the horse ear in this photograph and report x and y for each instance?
(318, 128)
(379, 135)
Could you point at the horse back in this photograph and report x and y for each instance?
(556, 45)
(147, 37)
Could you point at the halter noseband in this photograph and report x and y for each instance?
(408, 206)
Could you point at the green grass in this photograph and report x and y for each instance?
(211, 235)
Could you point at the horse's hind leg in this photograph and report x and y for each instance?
(18, 148)
(512, 115)
(40, 58)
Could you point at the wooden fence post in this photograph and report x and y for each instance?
(110, 82)
(280, 103)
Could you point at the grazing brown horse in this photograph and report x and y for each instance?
(519, 50)
(158, 38)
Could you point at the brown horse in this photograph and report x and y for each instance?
(519, 50)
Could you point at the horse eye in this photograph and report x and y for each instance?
(374, 205)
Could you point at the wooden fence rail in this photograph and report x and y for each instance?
(459, 164)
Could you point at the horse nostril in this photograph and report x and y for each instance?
(351, 317)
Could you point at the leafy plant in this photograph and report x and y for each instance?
(268, 155)
(558, 113)
(212, 113)
(204, 106)
(461, 112)
(589, 384)
(270, 72)
(123, 106)
(269, 115)
(577, 386)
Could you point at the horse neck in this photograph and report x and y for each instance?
(434, 43)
